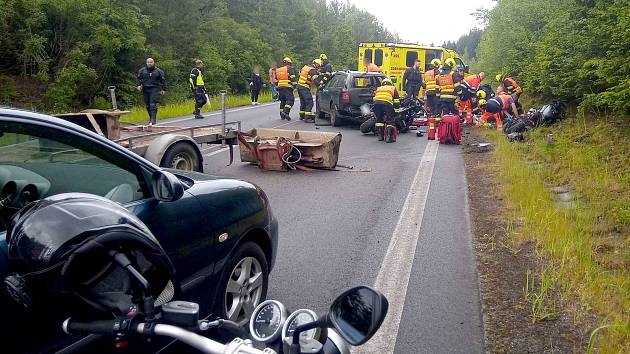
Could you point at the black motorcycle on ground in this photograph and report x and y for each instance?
(410, 108)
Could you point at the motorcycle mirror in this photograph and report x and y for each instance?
(358, 313)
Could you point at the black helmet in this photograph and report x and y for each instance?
(61, 246)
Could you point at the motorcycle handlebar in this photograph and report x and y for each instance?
(204, 344)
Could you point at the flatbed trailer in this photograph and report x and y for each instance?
(166, 146)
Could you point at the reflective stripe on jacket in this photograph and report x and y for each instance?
(307, 75)
(385, 94)
(446, 85)
(285, 76)
(429, 80)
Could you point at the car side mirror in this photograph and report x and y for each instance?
(394, 80)
(358, 313)
(167, 187)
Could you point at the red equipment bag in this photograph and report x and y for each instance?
(450, 130)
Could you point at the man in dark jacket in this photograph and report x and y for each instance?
(255, 85)
(152, 83)
(198, 88)
(412, 79)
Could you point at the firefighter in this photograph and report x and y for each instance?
(326, 69)
(385, 98)
(412, 79)
(286, 82)
(497, 107)
(448, 85)
(430, 87)
(309, 75)
(152, 83)
(371, 67)
(198, 88)
(470, 86)
(510, 86)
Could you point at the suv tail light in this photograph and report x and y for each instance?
(345, 97)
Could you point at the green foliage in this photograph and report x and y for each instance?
(76, 48)
(7, 90)
(574, 50)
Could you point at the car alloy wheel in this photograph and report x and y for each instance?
(246, 284)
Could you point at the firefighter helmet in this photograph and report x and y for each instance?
(481, 94)
(436, 62)
(317, 62)
(386, 81)
(499, 77)
(450, 62)
(323, 57)
(287, 60)
(482, 102)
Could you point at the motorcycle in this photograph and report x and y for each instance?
(410, 108)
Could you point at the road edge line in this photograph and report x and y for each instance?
(393, 277)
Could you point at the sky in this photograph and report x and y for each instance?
(411, 19)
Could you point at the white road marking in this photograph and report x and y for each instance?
(393, 277)
(217, 113)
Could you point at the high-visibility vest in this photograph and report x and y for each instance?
(372, 68)
(472, 82)
(385, 94)
(446, 85)
(511, 86)
(429, 80)
(198, 82)
(282, 74)
(306, 80)
(506, 101)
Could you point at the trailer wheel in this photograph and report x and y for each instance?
(181, 156)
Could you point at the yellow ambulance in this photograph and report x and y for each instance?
(394, 59)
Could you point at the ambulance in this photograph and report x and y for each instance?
(394, 59)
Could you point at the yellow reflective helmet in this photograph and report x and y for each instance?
(450, 62)
(317, 62)
(482, 102)
(323, 57)
(436, 62)
(386, 81)
(481, 94)
(287, 60)
(499, 77)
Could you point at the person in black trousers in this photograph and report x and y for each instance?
(255, 85)
(152, 83)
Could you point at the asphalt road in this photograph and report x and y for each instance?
(402, 227)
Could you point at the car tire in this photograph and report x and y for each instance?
(334, 116)
(181, 156)
(239, 294)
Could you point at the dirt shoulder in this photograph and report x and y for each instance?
(504, 268)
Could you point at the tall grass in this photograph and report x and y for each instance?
(586, 248)
(175, 109)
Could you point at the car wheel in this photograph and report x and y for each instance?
(181, 156)
(334, 119)
(244, 284)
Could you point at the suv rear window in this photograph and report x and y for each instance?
(366, 81)
(339, 80)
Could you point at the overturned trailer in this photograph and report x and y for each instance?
(283, 150)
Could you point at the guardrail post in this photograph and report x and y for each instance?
(223, 114)
(112, 92)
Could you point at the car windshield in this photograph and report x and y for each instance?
(366, 81)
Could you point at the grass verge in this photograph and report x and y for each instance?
(585, 243)
(139, 114)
